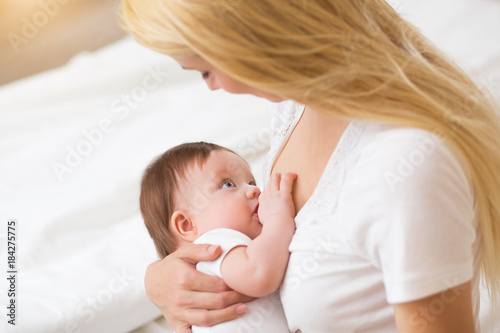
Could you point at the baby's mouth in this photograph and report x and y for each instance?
(256, 211)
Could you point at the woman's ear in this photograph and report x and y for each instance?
(183, 226)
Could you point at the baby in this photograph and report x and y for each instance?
(206, 194)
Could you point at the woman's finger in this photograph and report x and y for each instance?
(181, 327)
(205, 283)
(194, 253)
(213, 317)
(214, 301)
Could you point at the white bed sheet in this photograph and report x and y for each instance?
(82, 248)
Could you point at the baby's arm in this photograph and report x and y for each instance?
(258, 269)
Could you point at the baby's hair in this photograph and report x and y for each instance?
(159, 185)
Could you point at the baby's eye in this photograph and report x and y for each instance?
(228, 184)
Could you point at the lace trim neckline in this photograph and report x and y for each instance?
(324, 197)
(333, 175)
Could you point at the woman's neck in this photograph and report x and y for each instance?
(321, 129)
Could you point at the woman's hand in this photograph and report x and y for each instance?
(187, 297)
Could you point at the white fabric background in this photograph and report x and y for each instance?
(82, 248)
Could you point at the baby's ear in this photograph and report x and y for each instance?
(183, 226)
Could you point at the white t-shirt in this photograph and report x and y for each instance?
(264, 315)
(391, 220)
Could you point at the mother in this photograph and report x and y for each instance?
(397, 151)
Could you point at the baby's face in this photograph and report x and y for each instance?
(222, 194)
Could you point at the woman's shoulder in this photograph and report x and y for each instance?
(397, 137)
(396, 156)
(388, 143)
(409, 209)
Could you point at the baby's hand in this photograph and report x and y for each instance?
(276, 199)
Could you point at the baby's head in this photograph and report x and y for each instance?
(194, 188)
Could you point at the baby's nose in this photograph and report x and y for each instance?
(253, 192)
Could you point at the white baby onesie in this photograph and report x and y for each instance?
(264, 315)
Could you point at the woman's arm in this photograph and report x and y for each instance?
(187, 297)
(449, 311)
(258, 269)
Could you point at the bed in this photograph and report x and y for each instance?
(75, 141)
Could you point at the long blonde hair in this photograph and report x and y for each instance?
(356, 58)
